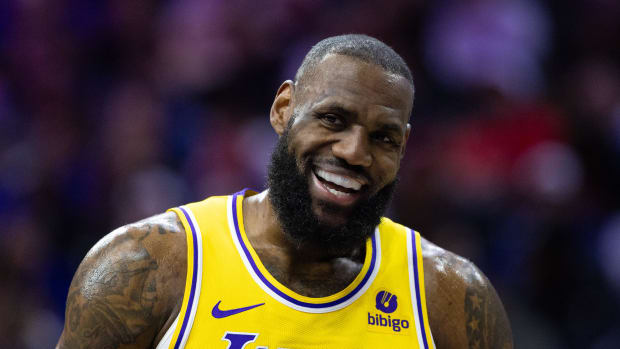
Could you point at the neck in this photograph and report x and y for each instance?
(262, 228)
(308, 270)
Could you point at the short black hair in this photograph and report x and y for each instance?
(359, 46)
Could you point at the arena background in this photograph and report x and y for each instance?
(113, 111)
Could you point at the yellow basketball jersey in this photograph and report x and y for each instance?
(231, 301)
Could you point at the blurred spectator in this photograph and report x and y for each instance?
(113, 111)
(486, 43)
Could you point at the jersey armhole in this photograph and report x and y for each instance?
(418, 294)
(165, 341)
(178, 332)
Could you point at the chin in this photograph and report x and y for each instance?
(330, 215)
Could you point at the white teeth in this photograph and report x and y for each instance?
(338, 180)
(338, 192)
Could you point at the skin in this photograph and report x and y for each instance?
(128, 289)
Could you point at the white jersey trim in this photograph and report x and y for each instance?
(166, 341)
(232, 205)
(411, 254)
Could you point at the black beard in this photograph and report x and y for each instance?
(290, 198)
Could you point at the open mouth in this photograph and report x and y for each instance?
(338, 185)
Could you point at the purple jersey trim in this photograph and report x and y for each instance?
(284, 295)
(188, 309)
(417, 286)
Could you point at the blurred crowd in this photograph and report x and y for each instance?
(111, 111)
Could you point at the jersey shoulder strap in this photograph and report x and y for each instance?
(212, 210)
(393, 232)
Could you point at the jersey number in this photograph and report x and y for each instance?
(238, 340)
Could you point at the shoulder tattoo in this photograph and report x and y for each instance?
(485, 319)
(112, 297)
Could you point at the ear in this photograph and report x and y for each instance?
(281, 109)
(404, 145)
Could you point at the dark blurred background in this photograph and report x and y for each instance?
(113, 111)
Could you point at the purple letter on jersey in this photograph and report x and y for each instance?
(239, 340)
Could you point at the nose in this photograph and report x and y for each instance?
(353, 148)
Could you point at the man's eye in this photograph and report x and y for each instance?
(387, 140)
(331, 119)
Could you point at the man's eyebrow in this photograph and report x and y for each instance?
(338, 109)
(390, 127)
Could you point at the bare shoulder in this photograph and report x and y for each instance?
(128, 287)
(464, 308)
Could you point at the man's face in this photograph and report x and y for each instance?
(346, 134)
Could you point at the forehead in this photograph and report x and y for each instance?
(349, 80)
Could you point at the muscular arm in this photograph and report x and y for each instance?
(464, 308)
(128, 288)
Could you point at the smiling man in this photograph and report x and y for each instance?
(308, 263)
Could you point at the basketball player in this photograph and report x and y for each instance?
(307, 263)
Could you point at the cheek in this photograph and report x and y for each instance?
(307, 141)
(386, 168)
(303, 146)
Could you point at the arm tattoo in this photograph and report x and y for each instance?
(111, 299)
(475, 313)
(486, 323)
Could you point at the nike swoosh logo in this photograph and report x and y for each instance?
(218, 313)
